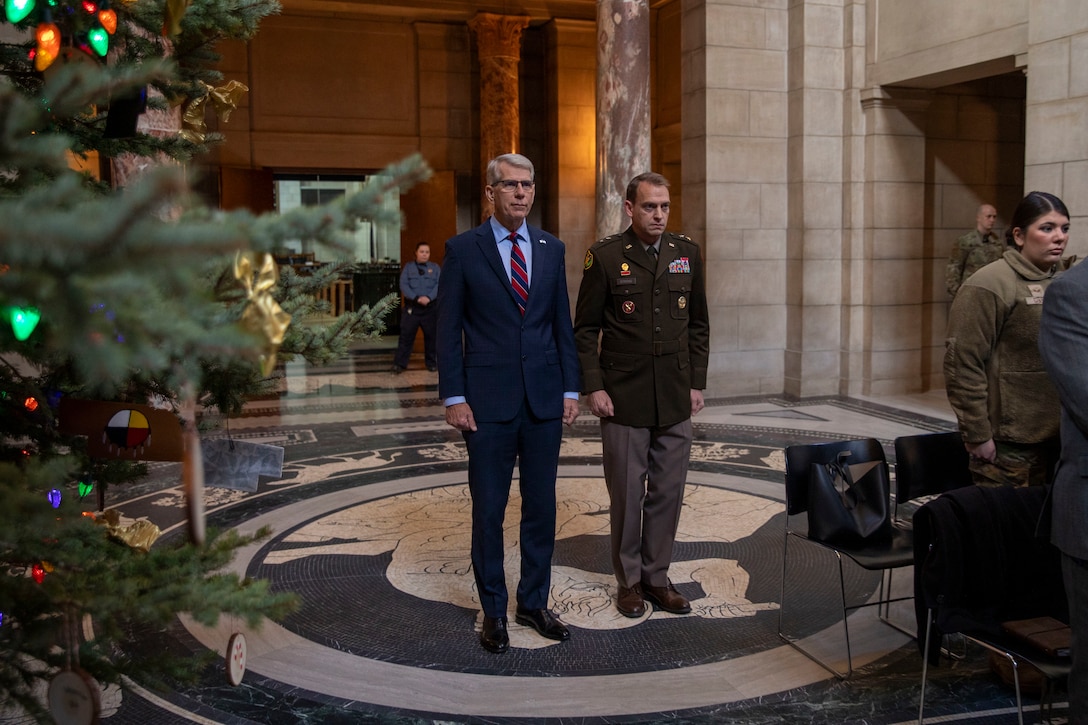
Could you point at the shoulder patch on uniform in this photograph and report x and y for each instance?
(589, 259)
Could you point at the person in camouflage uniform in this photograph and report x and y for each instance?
(1006, 406)
(974, 250)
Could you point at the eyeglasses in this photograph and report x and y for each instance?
(511, 185)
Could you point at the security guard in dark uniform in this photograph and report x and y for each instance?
(643, 337)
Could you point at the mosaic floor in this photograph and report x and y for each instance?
(371, 522)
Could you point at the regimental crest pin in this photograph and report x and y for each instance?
(628, 307)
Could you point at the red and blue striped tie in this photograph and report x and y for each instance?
(519, 278)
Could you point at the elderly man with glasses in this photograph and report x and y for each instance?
(508, 376)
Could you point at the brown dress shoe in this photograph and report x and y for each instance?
(666, 598)
(629, 602)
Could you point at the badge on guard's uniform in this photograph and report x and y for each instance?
(682, 302)
(625, 269)
(589, 259)
(628, 306)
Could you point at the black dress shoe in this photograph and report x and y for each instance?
(493, 635)
(544, 622)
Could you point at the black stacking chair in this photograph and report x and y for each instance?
(979, 564)
(881, 556)
(929, 464)
(926, 464)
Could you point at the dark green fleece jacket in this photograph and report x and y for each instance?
(993, 372)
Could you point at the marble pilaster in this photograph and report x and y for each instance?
(498, 43)
(623, 105)
(889, 347)
(1056, 150)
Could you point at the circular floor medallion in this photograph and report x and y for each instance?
(396, 572)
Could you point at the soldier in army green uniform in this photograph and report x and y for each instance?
(974, 250)
(643, 339)
(1007, 408)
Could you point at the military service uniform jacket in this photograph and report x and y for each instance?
(652, 327)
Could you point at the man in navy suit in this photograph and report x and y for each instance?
(508, 375)
(1063, 343)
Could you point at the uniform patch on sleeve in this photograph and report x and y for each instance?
(589, 259)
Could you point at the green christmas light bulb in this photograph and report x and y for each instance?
(99, 40)
(23, 321)
(17, 10)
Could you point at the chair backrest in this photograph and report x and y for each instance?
(799, 460)
(930, 463)
(979, 562)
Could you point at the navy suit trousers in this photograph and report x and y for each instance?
(493, 449)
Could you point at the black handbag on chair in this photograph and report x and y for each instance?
(849, 504)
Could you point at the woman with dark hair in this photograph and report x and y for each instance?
(1005, 404)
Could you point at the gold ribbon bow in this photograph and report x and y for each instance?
(172, 14)
(224, 99)
(258, 274)
(140, 534)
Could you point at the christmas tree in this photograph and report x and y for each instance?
(118, 293)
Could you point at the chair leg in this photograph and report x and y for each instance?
(782, 599)
(794, 643)
(1016, 684)
(845, 623)
(925, 668)
(884, 610)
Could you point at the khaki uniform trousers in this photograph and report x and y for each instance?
(645, 470)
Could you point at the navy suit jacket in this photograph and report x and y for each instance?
(487, 351)
(1063, 344)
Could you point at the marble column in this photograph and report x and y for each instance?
(623, 105)
(498, 45)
